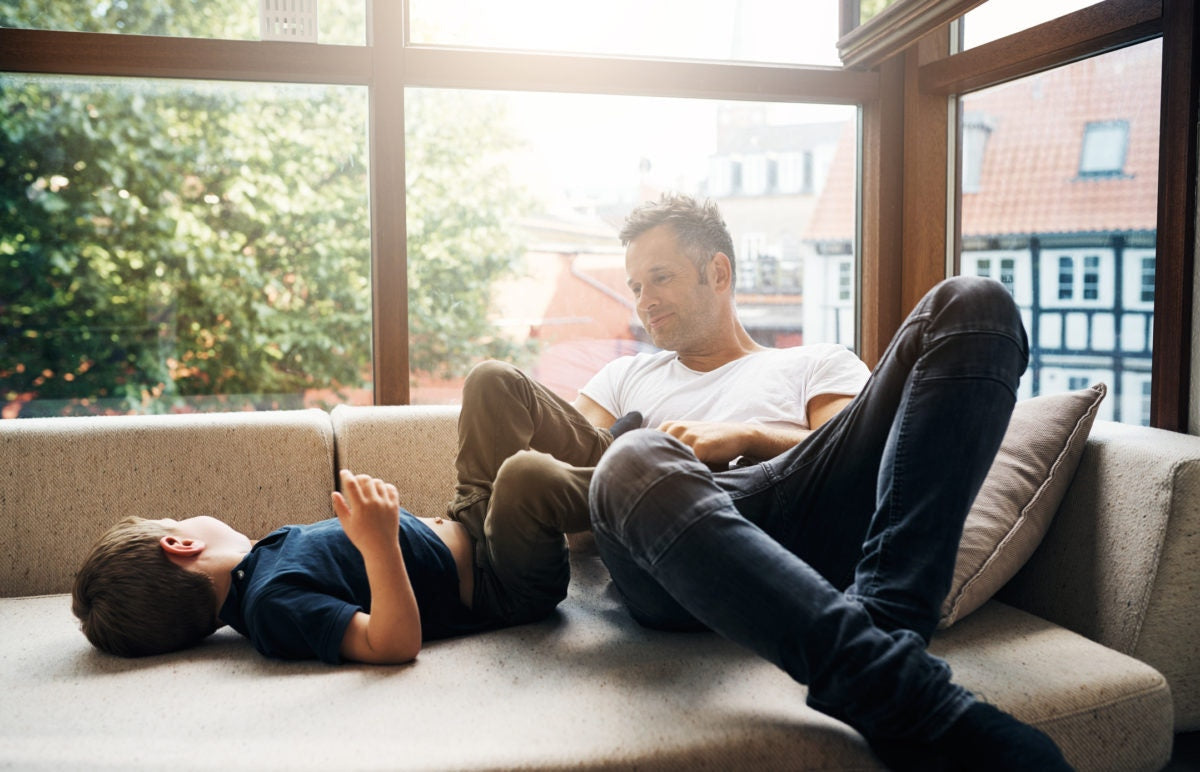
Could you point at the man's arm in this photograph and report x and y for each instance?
(718, 443)
(592, 411)
(369, 510)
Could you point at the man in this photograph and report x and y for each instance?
(526, 456)
(832, 558)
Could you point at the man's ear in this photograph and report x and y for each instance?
(184, 548)
(720, 270)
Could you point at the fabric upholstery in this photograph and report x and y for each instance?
(1019, 497)
(412, 447)
(64, 481)
(1121, 565)
(585, 689)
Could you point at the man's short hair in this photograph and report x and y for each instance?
(133, 601)
(698, 227)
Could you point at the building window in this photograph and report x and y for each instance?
(1146, 403)
(1105, 144)
(1091, 277)
(975, 133)
(1077, 382)
(845, 276)
(984, 268)
(1147, 294)
(1066, 278)
(1008, 274)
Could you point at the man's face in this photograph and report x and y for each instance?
(678, 311)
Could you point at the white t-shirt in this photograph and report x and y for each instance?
(770, 387)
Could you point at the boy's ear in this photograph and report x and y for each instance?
(184, 548)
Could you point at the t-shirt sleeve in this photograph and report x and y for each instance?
(604, 388)
(839, 372)
(293, 622)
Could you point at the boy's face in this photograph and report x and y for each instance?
(214, 533)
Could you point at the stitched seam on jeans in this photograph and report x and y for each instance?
(673, 537)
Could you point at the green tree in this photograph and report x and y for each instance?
(176, 244)
(463, 208)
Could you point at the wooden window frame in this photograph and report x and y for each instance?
(927, 238)
(388, 64)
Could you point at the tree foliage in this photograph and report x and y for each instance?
(182, 245)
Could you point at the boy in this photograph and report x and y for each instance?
(340, 589)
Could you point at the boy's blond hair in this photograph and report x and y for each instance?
(133, 601)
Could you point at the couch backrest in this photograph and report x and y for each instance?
(64, 481)
(412, 446)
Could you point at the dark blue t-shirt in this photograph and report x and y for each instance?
(295, 592)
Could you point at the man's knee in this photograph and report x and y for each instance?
(977, 298)
(489, 377)
(531, 485)
(528, 471)
(631, 464)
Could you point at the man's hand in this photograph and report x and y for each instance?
(369, 510)
(714, 443)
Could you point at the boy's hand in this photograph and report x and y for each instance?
(369, 510)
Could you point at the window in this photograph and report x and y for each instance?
(845, 279)
(976, 129)
(342, 22)
(997, 18)
(740, 30)
(1105, 144)
(515, 200)
(177, 245)
(1080, 264)
(511, 187)
(1066, 278)
(1008, 275)
(1147, 280)
(1091, 277)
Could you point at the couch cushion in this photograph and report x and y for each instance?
(64, 481)
(586, 688)
(411, 446)
(1032, 470)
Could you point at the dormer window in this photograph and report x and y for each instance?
(1105, 145)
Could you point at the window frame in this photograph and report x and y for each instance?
(905, 87)
(1094, 30)
(388, 64)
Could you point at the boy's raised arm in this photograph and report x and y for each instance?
(369, 510)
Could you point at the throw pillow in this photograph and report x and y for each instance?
(1036, 461)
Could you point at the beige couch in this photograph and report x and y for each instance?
(1095, 642)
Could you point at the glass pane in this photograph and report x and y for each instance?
(515, 201)
(1065, 193)
(781, 31)
(997, 18)
(869, 9)
(174, 246)
(341, 22)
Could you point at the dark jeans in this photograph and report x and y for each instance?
(832, 559)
